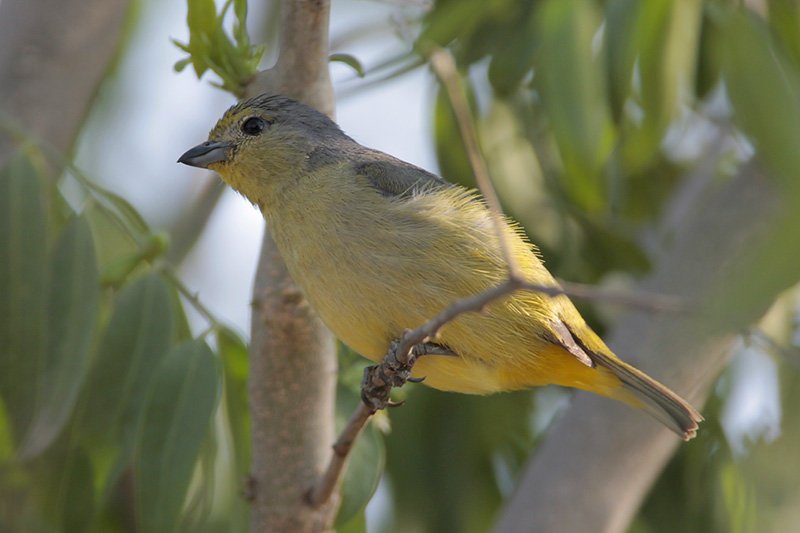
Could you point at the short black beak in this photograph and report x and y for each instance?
(204, 154)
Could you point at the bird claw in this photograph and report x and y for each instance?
(379, 380)
(431, 348)
(378, 383)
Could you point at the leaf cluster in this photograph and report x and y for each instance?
(113, 414)
(231, 57)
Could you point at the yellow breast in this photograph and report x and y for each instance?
(401, 261)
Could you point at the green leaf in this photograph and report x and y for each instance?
(364, 470)
(665, 39)
(233, 423)
(111, 240)
(763, 86)
(201, 16)
(255, 58)
(62, 479)
(128, 212)
(73, 304)
(784, 16)
(210, 47)
(621, 51)
(182, 329)
(182, 64)
(176, 419)
(462, 435)
(228, 58)
(136, 339)
(709, 59)
(75, 504)
(350, 61)
(183, 47)
(365, 464)
(739, 499)
(23, 244)
(570, 79)
(7, 446)
(358, 524)
(234, 355)
(452, 19)
(240, 26)
(115, 272)
(514, 53)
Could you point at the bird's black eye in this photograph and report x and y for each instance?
(254, 125)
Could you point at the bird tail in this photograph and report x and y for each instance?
(638, 389)
(651, 396)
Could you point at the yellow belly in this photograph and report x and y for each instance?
(373, 277)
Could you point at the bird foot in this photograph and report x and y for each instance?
(380, 379)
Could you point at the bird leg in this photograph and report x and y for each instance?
(380, 379)
(392, 372)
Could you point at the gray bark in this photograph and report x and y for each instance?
(292, 355)
(599, 460)
(53, 56)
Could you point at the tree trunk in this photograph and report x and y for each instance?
(292, 355)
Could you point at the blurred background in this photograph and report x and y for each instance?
(607, 126)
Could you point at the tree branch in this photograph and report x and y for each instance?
(401, 356)
(611, 454)
(291, 391)
(301, 71)
(326, 486)
(292, 380)
(445, 68)
(190, 225)
(53, 56)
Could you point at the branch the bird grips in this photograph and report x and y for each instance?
(378, 245)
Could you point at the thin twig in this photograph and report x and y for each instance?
(428, 331)
(193, 221)
(324, 488)
(478, 302)
(169, 271)
(327, 483)
(788, 353)
(652, 302)
(444, 66)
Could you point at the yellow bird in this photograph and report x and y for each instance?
(378, 245)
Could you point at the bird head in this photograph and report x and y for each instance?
(265, 144)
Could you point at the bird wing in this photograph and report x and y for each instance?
(392, 177)
(562, 336)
